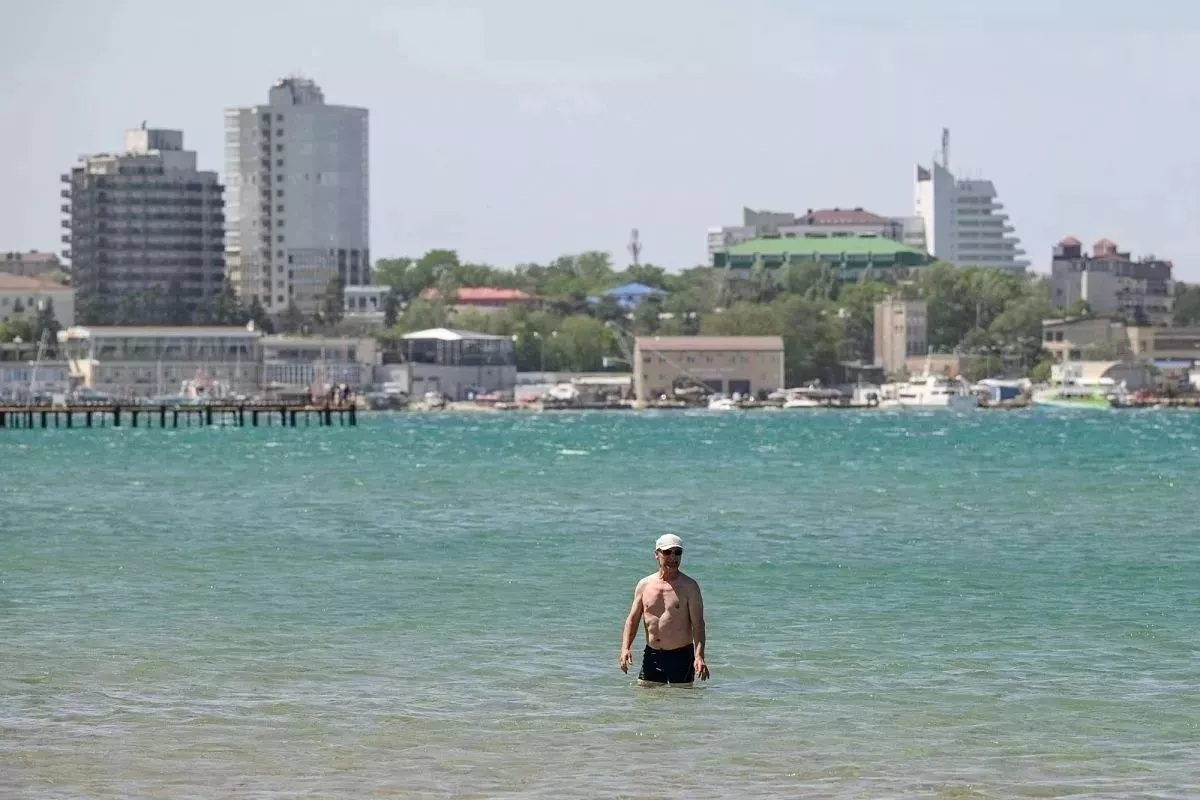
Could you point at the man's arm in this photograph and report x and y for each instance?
(696, 617)
(630, 630)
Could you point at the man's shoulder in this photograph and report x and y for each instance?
(651, 577)
(689, 581)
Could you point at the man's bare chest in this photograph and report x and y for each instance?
(664, 599)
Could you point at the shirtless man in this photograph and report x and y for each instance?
(669, 603)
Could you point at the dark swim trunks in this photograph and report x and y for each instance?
(669, 666)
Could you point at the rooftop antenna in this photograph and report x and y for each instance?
(946, 148)
(635, 247)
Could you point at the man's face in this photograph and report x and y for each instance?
(670, 557)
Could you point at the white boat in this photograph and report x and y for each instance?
(720, 402)
(811, 397)
(927, 391)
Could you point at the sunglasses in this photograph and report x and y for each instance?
(674, 551)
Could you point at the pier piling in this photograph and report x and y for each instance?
(98, 416)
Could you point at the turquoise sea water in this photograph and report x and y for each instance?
(899, 605)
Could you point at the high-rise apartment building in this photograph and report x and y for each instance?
(146, 233)
(297, 201)
(963, 221)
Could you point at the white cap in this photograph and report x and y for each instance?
(667, 541)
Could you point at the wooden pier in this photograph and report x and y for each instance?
(282, 415)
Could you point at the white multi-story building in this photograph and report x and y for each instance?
(963, 221)
(297, 205)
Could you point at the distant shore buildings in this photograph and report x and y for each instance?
(1111, 282)
(960, 221)
(298, 211)
(144, 222)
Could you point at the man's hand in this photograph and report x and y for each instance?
(625, 660)
(701, 669)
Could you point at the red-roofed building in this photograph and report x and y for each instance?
(485, 298)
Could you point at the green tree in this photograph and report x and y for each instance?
(259, 316)
(857, 302)
(333, 301)
(391, 308)
(174, 308)
(607, 309)
(46, 323)
(423, 314)
(580, 345)
(645, 317)
(1187, 304)
(24, 329)
(292, 320)
(226, 307)
(812, 339)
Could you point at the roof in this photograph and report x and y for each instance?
(634, 288)
(21, 283)
(160, 331)
(823, 245)
(841, 216)
(1070, 241)
(32, 257)
(452, 335)
(483, 294)
(710, 343)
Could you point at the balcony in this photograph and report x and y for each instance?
(65, 177)
(66, 194)
(66, 208)
(66, 238)
(66, 223)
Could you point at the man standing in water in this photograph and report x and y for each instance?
(669, 603)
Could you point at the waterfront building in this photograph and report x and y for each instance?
(144, 223)
(963, 221)
(31, 370)
(450, 362)
(900, 333)
(298, 200)
(147, 361)
(24, 297)
(1111, 282)
(297, 364)
(747, 365)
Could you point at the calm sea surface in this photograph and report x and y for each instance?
(899, 605)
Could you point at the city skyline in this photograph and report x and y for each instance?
(523, 135)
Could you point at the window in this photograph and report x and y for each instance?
(279, 192)
(279, 208)
(278, 148)
(279, 162)
(278, 179)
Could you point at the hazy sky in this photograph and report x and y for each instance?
(518, 130)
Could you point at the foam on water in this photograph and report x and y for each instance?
(983, 605)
